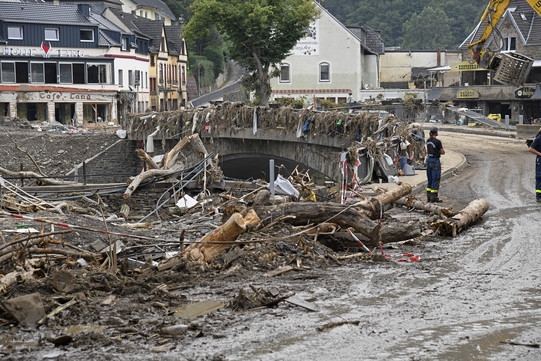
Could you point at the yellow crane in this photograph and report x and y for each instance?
(510, 68)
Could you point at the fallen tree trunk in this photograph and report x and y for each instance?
(32, 175)
(373, 207)
(422, 206)
(452, 226)
(310, 212)
(148, 160)
(168, 158)
(208, 247)
(391, 231)
(146, 175)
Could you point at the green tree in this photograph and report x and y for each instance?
(427, 31)
(260, 33)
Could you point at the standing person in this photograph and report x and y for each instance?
(434, 150)
(535, 148)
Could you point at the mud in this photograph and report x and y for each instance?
(473, 297)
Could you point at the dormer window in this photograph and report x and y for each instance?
(523, 16)
(87, 35)
(51, 34)
(125, 43)
(15, 32)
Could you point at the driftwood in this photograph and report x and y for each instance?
(422, 206)
(452, 226)
(373, 208)
(146, 175)
(391, 231)
(310, 212)
(151, 164)
(124, 211)
(29, 174)
(169, 157)
(217, 241)
(14, 277)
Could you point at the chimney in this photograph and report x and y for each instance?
(439, 58)
(84, 9)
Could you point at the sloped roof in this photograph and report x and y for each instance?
(151, 29)
(41, 13)
(158, 5)
(522, 17)
(174, 42)
(370, 38)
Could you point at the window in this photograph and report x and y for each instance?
(78, 73)
(87, 35)
(124, 43)
(97, 73)
(51, 34)
(8, 72)
(15, 32)
(65, 74)
(509, 44)
(146, 80)
(324, 72)
(285, 76)
(152, 61)
(120, 77)
(21, 72)
(38, 75)
(51, 73)
(130, 78)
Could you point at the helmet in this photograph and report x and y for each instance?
(433, 130)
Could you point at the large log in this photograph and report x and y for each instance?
(391, 231)
(151, 164)
(29, 174)
(145, 175)
(410, 202)
(373, 207)
(452, 226)
(310, 212)
(216, 242)
(168, 158)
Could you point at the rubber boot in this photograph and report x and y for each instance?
(428, 196)
(435, 198)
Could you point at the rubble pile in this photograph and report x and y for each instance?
(70, 260)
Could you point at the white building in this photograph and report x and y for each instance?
(332, 62)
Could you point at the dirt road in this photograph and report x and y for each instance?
(473, 297)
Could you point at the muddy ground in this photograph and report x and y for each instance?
(473, 297)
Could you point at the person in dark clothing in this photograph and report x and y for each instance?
(434, 150)
(535, 148)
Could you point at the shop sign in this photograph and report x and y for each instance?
(467, 94)
(466, 66)
(48, 96)
(46, 51)
(524, 92)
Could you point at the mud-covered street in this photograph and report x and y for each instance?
(473, 297)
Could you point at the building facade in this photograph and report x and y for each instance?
(332, 62)
(518, 31)
(53, 64)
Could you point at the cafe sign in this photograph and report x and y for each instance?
(524, 92)
(467, 94)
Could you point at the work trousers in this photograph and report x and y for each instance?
(433, 174)
(538, 177)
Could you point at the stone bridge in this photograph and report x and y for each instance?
(245, 155)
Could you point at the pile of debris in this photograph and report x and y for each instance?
(237, 230)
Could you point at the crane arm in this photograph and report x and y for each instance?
(492, 15)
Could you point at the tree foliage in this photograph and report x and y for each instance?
(427, 31)
(390, 17)
(260, 33)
